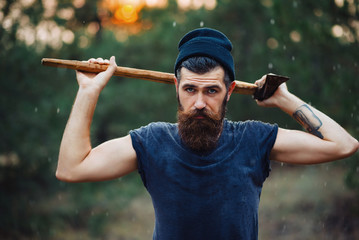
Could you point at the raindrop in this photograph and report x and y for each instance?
(284, 228)
(325, 184)
(270, 65)
(174, 24)
(284, 47)
(201, 24)
(272, 21)
(357, 169)
(281, 164)
(58, 110)
(293, 58)
(295, 4)
(35, 109)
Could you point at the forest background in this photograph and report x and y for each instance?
(313, 42)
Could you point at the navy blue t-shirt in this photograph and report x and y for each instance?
(213, 196)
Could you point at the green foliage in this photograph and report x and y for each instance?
(35, 101)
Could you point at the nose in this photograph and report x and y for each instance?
(200, 102)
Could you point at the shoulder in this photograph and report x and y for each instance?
(156, 126)
(251, 125)
(260, 126)
(154, 129)
(252, 129)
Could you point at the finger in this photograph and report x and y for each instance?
(98, 61)
(113, 64)
(260, 82)
(110, 70)
(102, 61)
(259, 103)
(112, 67)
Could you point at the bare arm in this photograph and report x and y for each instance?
(324, 141)
(78, 161)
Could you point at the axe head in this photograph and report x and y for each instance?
(270, 85)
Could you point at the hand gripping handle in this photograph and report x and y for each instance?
(270, 85)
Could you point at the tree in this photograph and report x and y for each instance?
(315, 43)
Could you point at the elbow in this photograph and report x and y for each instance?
(61, 176)
(350, 148)
(355, 147)
(65, 176)
(66, 171)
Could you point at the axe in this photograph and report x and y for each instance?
(260, 93)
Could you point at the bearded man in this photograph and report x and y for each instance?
(204, 173)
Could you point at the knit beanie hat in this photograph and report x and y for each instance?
(207, 42)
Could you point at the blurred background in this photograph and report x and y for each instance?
(313, 42)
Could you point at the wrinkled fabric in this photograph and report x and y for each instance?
(212, 196)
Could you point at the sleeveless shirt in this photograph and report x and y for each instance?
(212, 196)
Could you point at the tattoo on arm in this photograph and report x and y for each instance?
(306, 117)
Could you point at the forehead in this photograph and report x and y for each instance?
(213, 77)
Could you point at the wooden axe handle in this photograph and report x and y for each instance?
(241, 87)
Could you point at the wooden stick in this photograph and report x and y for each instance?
(241, 87)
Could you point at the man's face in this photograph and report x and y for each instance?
(202, 103)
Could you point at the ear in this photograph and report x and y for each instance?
(230, 89)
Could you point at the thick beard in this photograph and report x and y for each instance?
(200, 135)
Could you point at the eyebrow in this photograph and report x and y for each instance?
(194, 86)
(214, 86)
(188, 85)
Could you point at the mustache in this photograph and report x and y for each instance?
(195, 113)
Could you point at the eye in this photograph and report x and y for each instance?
(189, 90)
(212, 91)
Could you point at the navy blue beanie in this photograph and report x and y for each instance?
(207, 42)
